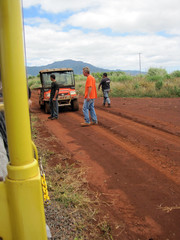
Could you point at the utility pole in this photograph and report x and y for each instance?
(140, 63)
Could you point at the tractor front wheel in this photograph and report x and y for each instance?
(75, 105)
(46, 107)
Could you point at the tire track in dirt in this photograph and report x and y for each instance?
(156, 147)
(149, 122)
(120, 121)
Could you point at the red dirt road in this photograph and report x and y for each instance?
(133, 161)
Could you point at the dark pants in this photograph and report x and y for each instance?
(54, 108)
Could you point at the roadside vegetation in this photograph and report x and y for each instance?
(74, 210)
(34, 82)
(156, 83)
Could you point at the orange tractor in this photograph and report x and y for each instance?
(67, 94)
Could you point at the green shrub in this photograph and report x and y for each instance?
(31, 77)
(159, 84)
(136, 86)
(157, 71)
(154, 78)
(97, 76)
(123, 78)
(79, 78)
(176, 73)
(175, 91)
(167, 76)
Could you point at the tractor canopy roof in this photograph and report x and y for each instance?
(64, 77)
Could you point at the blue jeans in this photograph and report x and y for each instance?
(106, 96)
(88, 106)
(54, 108)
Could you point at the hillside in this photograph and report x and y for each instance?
(77, 66)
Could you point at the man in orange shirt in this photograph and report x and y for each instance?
(89, 98)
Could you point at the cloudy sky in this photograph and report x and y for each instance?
(116, 34)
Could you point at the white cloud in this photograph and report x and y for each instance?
(46, 42)
(42, 23)
(48, 45)
(120, 16)
(131, 16)
(57, 6)
(29, 3)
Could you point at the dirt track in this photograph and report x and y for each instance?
(133, 161)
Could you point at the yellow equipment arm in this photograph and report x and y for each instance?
(21, 201)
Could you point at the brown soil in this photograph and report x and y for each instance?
(133, 162)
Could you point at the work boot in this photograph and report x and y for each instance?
(85, 124)
(94, 123)
(109, 105)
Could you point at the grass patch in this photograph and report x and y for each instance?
(33, 121)
(105, 229)
(70, 191)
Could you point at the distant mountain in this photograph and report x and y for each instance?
(77, 66)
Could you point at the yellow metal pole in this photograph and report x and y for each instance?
(21, 201)
(14, 83)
